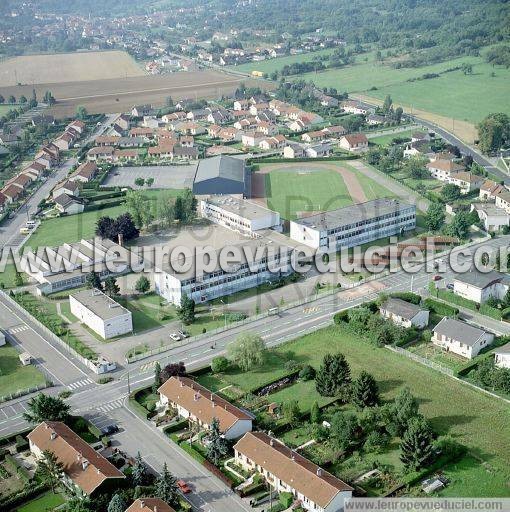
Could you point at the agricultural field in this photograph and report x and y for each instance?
(72, 67)
(119, 95)
(463, 413)
(295, 188)
(14, 376)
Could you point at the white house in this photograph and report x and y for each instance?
(494, 219)
(460, 338)
(287, 471)
(355, 142)
(480, 286)
(442, 170)
(69, 205)
(101, 313)
(196, 403)
(502, 356)
(320, 150)
(238, 214)
(404, 313)
(294, 150)
(70, 188)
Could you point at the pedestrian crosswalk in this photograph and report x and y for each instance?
(17, 329)
(147, 366)
(110, 406)
(80, 384)
(313, 309)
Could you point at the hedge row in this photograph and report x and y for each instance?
(484, 309)
(27, 493)
(138, 408)
(180, 425)
(411, 297)
(102, 206)
(440, 308)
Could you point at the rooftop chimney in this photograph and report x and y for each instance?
(84, 464)
(196, 397)
(271, 442)
(53, 435)
(319, 472)
(121, 239)
(142, 503)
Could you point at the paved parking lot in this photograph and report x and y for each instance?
(165, 176)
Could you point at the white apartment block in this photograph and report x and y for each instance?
(285, 470)
(266, 263)
(238, 214)
(101, 313)
(460, 338)
(354, 225)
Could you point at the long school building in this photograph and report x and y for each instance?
(354, 225)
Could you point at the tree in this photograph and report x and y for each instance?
(111, 288)
(219, 364)
(334, 376)
(105, 228)
(137, 205)
(358, 318)
(247, 351)
(142, 285)
(11, 99)
(92, 280)
(387, 105)
(450, 192)
(173, 370)
(415, 167)
(117, 504)
(435, 217)
(169, 102)
(2, 100)
(404, 408)
(179, 209)
(139, 473)
(467, 68)
(125, 226)
(49, 469)
(157, 377)
(416, 445)
(218, 445)
(186, 311)
(164, 210)
(493, 132)
(165, 487)
(140, 182)
(18, 279)
(307, 372)
(79, 504)
(315, 413)
(81, 112)
(291, 412)
(343, 429)
(459, 226)
(23, 99)
(365, 392)
(46, 408)
(149, 182)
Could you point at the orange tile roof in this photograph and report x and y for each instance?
(149, 505)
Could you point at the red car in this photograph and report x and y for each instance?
(183, 486)
(437, 278)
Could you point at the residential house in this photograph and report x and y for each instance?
(417, 148)
(420, 136)
(321, 150)
(149, 505)
(142, 131)
(77, 125)
(35, 168)
(489, 190)
(313, 488)
(480, 286)
(356, 107)
(186, 152)
(22, 181)
(251, 139)
(213, 130)
(12, 193)
(66, 187)
(355, 142)
(229, 134)
(85, 471)
(197, 114)
(276, 142)
(108, 140)
(376, 119)
(123, 122)
(68, 204)
(99, 153)
(125, 155)
(267, 128)
(334, 131)
(141, 110)
(313, 136)
(404, 313)
(165, 149)
(241, 105)
(42, 120)
(297, 126)
(466, 181)
(196, 403)
(443, 170)
(191, 128)
(502, 356)
(503, 200)
(293, 150)
(460, 338)
(85, 173)
(494, 219)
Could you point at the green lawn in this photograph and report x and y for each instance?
(7, 277)
(453, 94)
(148, 311)
(472, 418)
(73, 228)
(14, 376)
(45, 503)
(387, 139)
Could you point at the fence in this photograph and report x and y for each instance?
(23, 392)
(49, 334)
(422, 360)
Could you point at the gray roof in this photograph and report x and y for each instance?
(354, 213)
(65, 200)
(221, 166)
(459, 331)
(401, 308)
(99, 303)
(505, 349)
(241, 207)
(482, 280)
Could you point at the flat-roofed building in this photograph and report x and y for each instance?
(354, 225)
(196, 403)
(221, 175)
(238, 214)
(288, 471)
(85, 471)
(494, 219)
(101, 313)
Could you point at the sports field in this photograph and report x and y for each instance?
(294, 189)
(72, 67)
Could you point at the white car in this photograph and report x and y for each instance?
(174, 336)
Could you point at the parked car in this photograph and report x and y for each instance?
(174, 336)
(450, 286)
(110, 429)
(183, 486)
(183, 334)
(436, 278)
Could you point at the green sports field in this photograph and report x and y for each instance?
(294, 188)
